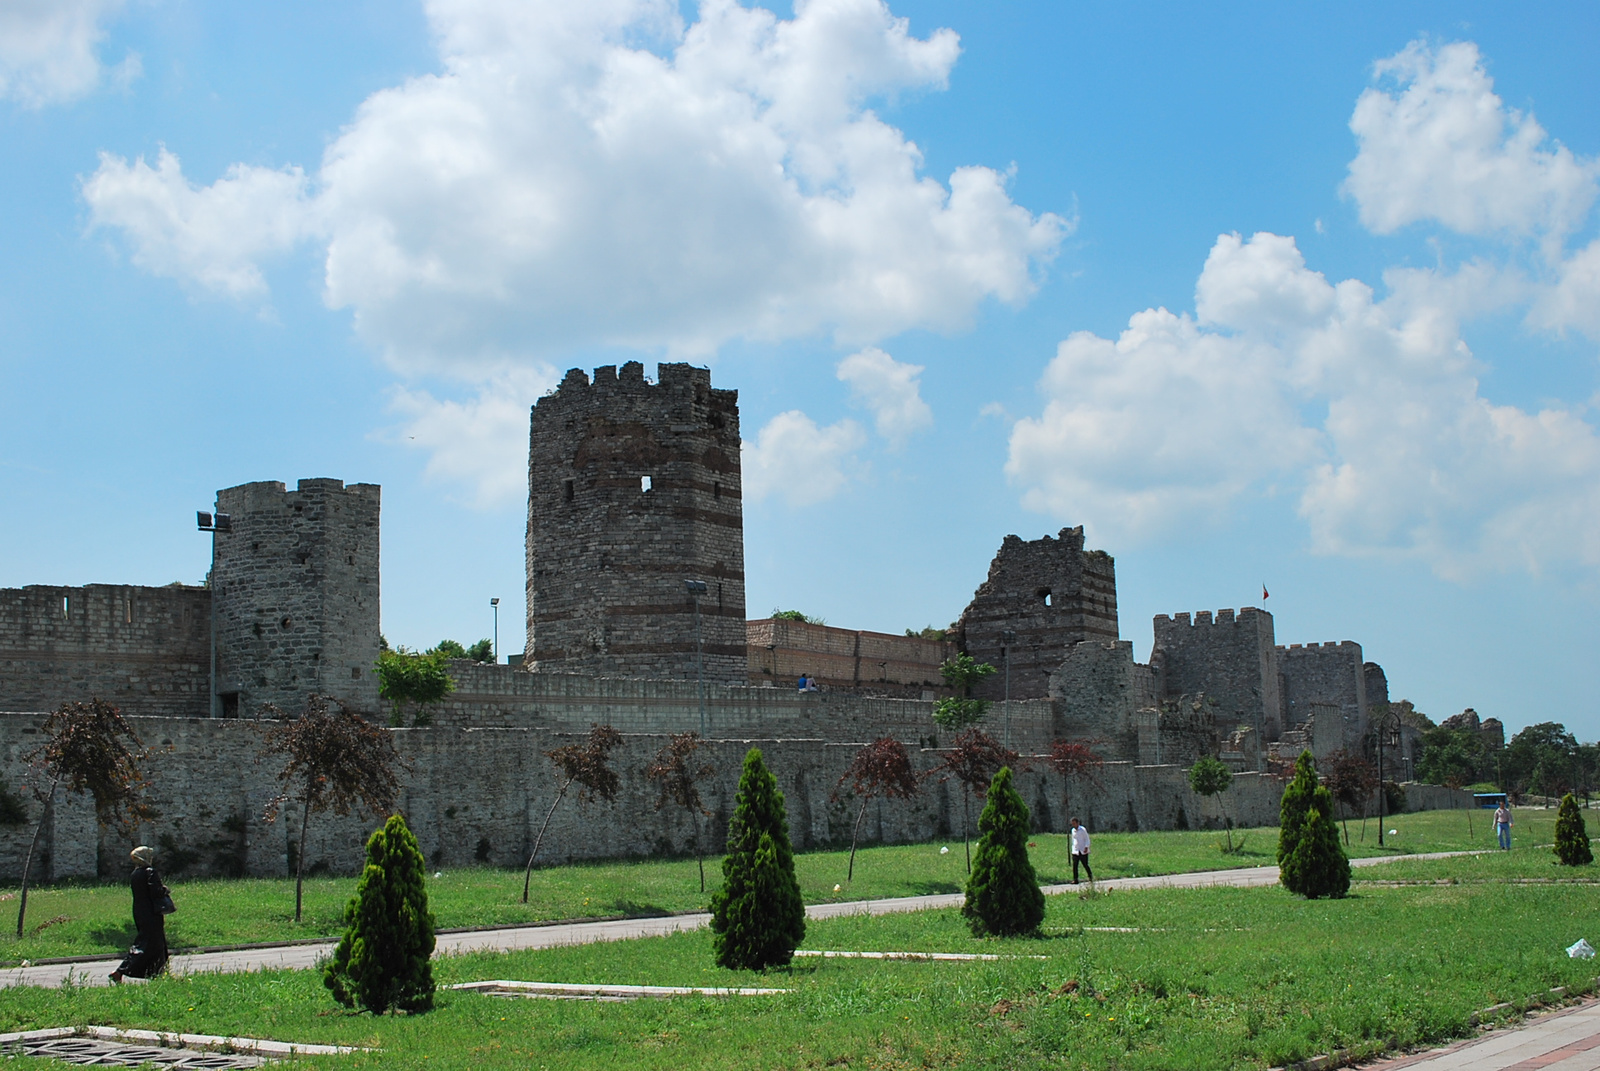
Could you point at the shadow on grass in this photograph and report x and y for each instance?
(634, 910)
(933, 888)
(114, 936)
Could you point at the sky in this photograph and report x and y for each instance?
(1304, 299)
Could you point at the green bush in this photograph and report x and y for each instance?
(1310, 860)
(1572, 839)
(1317, 866)
(1296, 801)
(382, 960)
(1003, 897)
(758, 918)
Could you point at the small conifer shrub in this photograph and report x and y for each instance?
(1311, 861)
(1296, 801)
(757, 918)
(1003, 896)
(1572, 839)
(382, 960)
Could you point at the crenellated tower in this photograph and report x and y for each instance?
(633, 489)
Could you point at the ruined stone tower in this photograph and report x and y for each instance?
(633, 489)
(1052, 594)
(296, 595)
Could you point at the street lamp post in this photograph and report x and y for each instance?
(213, 523)
(1007, 638)
(495, 605)
(1387, 729)
(697, 588)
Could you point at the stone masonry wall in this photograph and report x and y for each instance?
(1098, 691)
(1052, 594)
(869, 662)
(296, 584)
(633, 488)
(1328, 681)
(1230, 659)
(144, 649)
(478, 795)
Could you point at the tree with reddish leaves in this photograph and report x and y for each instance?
(881, 768)
(90, 747)
(1073, 760)
(1351, 780)
(587, 765)
(338, 761)
(674, 770)
(972, 761)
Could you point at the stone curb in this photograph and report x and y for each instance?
(204, 1042)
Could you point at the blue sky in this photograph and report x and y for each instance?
(1307, 297)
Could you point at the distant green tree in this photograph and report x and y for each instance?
(1541, 759)
(1452, 756)
(482, 651)
(962, 673)
(382, 961)
(1211, 777)
(929, 633)
(449, 648)
(1572, 839)
(409, 678)
(758, 917)
(796, 615)
(1003, 895)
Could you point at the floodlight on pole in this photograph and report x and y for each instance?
(495, 605)
(697, 588)
(213, 523)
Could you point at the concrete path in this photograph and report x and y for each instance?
(516, 938)
(1560, 1041)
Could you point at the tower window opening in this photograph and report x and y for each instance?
(569, 489)
(716, 490)
(1047, 597)
(66, 606)
(645, 484)
(127, 617)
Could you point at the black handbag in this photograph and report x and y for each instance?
(165, 903)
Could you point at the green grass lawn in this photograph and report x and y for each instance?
(1213, 978)
(93, 919)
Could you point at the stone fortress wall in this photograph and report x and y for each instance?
(612, 639)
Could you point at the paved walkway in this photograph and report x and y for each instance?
(1566, 1040)
(516, 938)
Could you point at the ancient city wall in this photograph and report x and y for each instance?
(1325, 682)
(144, 649)
(478, 795)
(1230, 659)
(781, 650)
(1098, 691)
(296, 584)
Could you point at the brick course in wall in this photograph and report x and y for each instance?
(780, 650)
(634, 488)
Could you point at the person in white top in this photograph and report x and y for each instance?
(1502, 826)
(1080, 850)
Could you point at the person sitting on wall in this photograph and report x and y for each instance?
(1080, 851)
(811, 684)
(802, 685)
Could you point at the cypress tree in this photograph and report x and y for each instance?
(1317, 865)
(382, 960)
(1003, 896)
(1572, 839)
(1296, 801)
(757, 918)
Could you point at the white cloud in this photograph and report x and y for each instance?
(798, 461)
(213, 236)
(47, 49)
(1444, 147)
(480, 444)
(1368, 409)
(891, 390)
(604, 174)
(1573, 300)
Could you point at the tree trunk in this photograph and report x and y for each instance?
(527, 875)
(699, 856)
(300, 856)
(966, 826)
(854, 834)
(27, 864)
(1227, 827)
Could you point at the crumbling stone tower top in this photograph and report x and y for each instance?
(295, 594)
(1052, 593)
(634, 488)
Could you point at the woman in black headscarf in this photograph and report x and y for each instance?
(148, 955)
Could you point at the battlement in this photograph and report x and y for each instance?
(1330, 647)
(670, 376)
(1204, 618)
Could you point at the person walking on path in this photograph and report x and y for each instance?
(1502, 825)
(1080, 851)
(148, 956)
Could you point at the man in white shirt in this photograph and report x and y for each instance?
(1080, 850)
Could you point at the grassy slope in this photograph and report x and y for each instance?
(1215, 978)
(95, 918)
